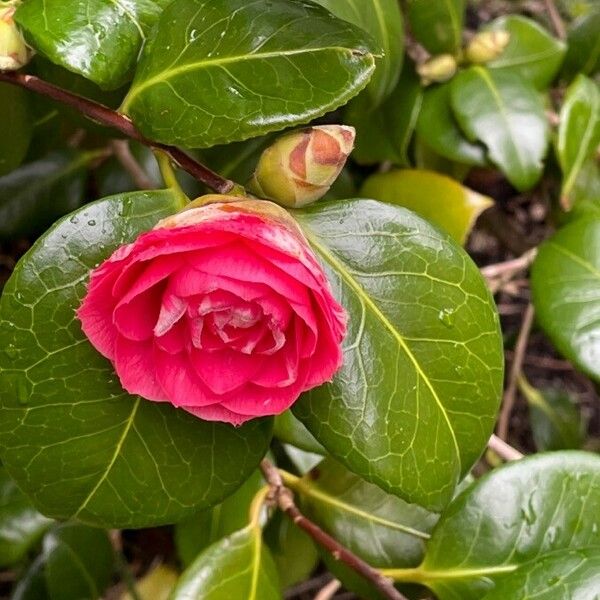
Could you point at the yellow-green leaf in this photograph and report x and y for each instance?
(437, 198)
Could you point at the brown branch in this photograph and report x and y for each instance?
(111, 118)
(128, 161)
(556, 19)
(503, 450)
(515, 369)
(284, 498)
(500, 274)
(329, 591)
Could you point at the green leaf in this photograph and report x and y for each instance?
(199, 531)
(428, 159)
(21, 526)
(78, 562)
(239, 566)
(202, 82)
(556, 421)
(437, 25)
(437, 126)
(414, 404)
(583, 42)
(293, 551)
(16, 127)
(292, 431)
(533, 53)
(385, 132)
(507, 114)
(508, 517)
(38, 193)
(578, 134)
(437, 198)
(382, 19)
(382, 529)
(98, 39)
(74, 441)
(32, 585)
(565, 279)
(585, 194)
(562, 575)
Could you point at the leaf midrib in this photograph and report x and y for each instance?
(168, 74)
(588, 266)
(583, 148)
(489, 82)
(358, 289)
(116, 453)
(318, 494)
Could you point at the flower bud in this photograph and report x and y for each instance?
(438, 69)
(14, 52)
(486, 46)
(300, 167)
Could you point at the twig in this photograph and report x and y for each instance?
(307, 586)
(500, 274)
(329, 591)
(515, 369)
(131, 165)
(503, 450)
(284, 498)
(556, 19)
(111, 118)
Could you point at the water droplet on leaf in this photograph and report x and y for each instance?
(446, 316)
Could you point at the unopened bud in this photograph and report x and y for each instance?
(300, 167)
(14, 52)
(438, 69)
(487, 46)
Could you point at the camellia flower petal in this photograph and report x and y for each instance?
(222, 310)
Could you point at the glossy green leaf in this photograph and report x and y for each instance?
(565, 280)
(16, 127)
(98, 39)
(381, 528)
(21, 526)
(578, 135)
(35, 195)
(556, 421)
(437, 198)
(533, 53)
(437, 126)
(292, 431)
(384, 133)
(78, 562)
(562, 575)
(507, 114)
(293, 551)
(239, 566)
(414, 404)
(201, 82)
(428, 159)
(73, 440)
(585, 193)
(32, 584)
(514, 514)
(382, 19)
(194, 534)
(437, 25)
(583, 54)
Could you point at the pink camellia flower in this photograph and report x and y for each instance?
(221, 310)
